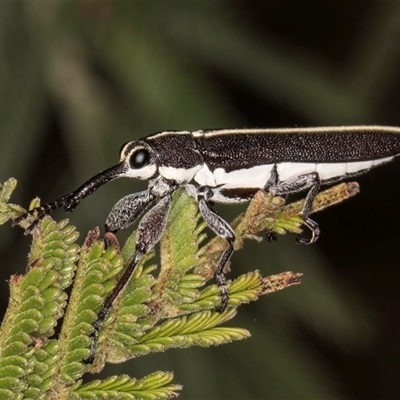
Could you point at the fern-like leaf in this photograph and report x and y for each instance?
(159, 309)
(153, 387)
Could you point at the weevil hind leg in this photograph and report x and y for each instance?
(221, 228)
(315, 232)
(311, 224)
(297, 184)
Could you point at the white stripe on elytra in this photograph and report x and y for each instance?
(167, 133)
(324, 129)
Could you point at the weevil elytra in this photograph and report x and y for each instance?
(227, 166)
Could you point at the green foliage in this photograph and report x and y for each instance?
(154, 386)
(159, 309)
(153, 314)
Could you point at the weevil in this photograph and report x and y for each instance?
(226, 166)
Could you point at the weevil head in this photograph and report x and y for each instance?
(138, 160)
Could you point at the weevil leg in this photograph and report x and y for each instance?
(270, 235)
(297, 184)
(149, 232)
(222, 229)
(126, 211)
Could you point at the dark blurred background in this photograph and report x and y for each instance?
(79, 79)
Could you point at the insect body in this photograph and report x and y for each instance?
(228, 166)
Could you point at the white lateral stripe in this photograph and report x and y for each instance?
(326, 171)
(331, 171)
(180, 175)
(354, 167)
(288, 170)
(205, 177)
(255, 177)
(382, 160)
(142, 173)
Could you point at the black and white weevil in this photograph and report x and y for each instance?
(227, 166)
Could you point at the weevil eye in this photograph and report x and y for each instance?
(139, 159)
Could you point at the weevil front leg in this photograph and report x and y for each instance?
(149, 232)
(223, 230)
(297, 184)
(125, 212)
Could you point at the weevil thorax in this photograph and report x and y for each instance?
(139, 160)
(176, 155)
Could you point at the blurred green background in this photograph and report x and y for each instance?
(79, 79)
